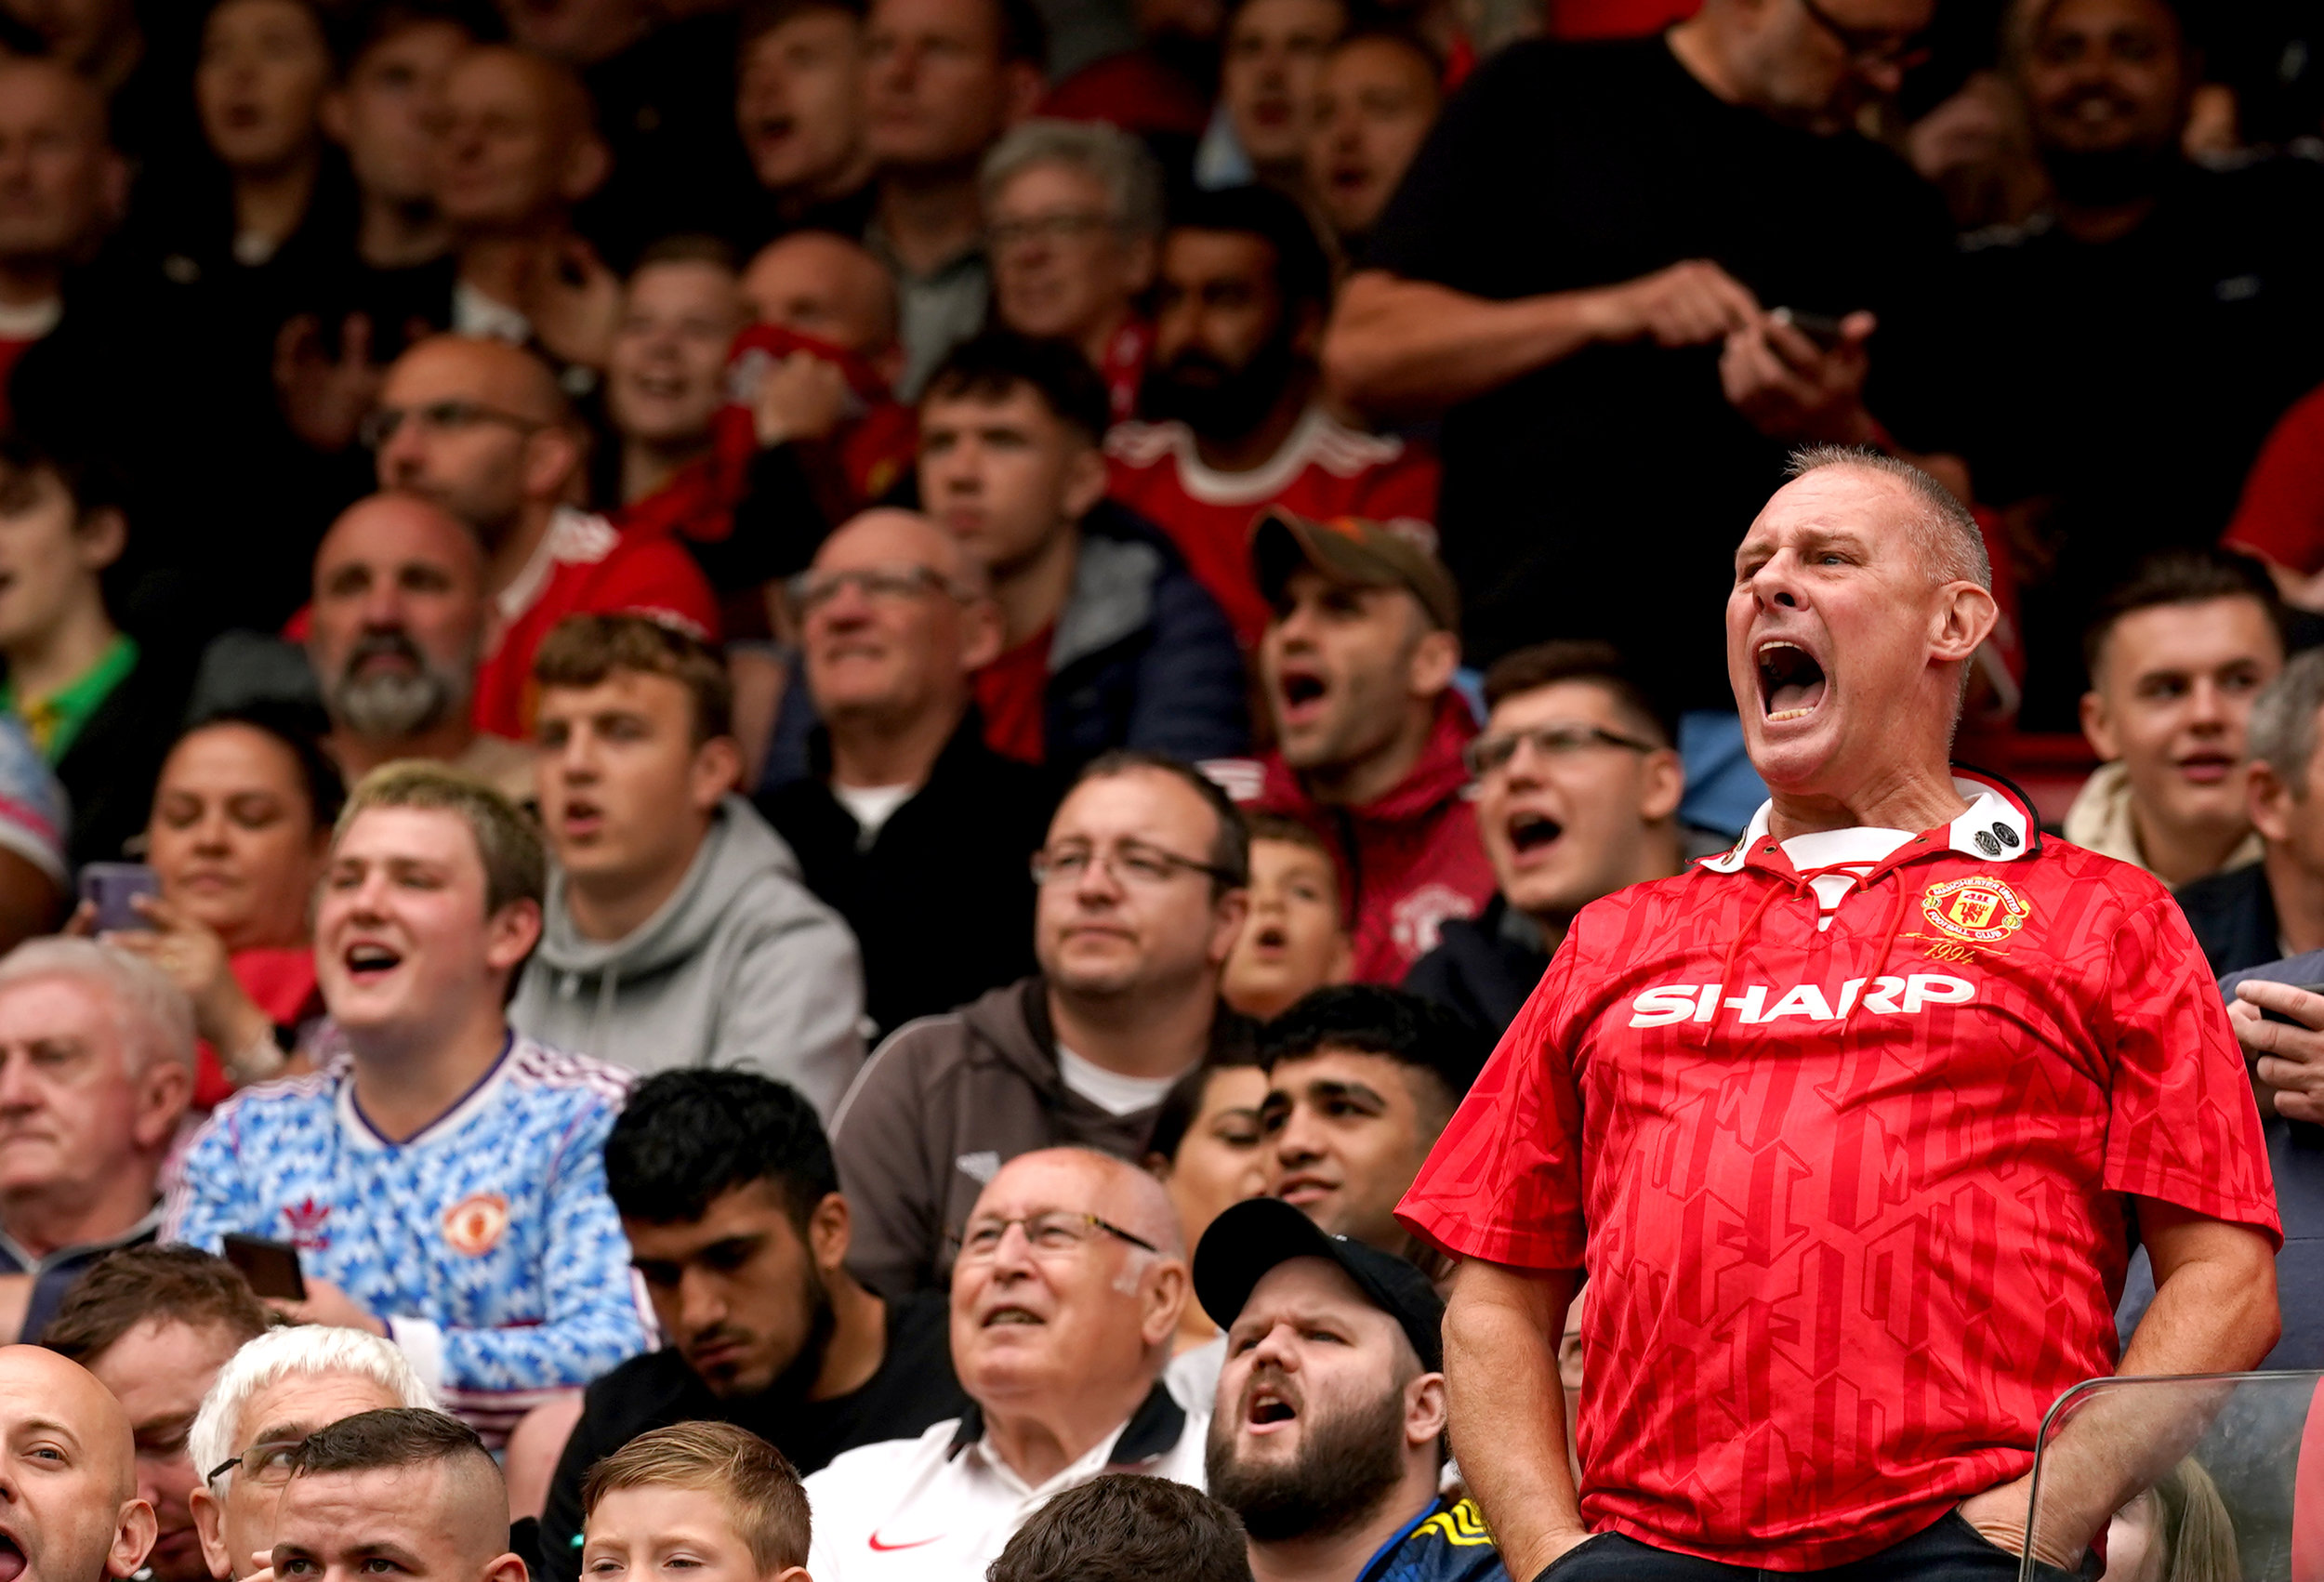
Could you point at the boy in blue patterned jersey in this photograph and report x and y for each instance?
(1327, 1438)
(442, 1179)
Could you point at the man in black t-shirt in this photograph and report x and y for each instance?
(2133, 344)
(1583, 270)
(727, 1192)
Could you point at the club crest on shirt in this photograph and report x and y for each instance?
(1977, 913)
(474, 1225)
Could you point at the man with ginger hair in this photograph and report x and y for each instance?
(76, 1518)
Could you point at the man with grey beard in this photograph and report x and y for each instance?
(396, 627)
(1328, 1436)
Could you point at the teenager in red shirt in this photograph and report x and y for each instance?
(1850, 1129)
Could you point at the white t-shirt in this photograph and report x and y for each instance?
(1110, 1090)
(871, 807)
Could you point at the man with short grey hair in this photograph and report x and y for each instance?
(1074, 213)
(2273, 908)
(95, 1071)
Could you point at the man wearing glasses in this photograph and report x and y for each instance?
(1066, 1288)
(268, 1397)
(1576, 795)
(1140, 896)
(1357, 668)
(1583, 274)
(903, 820)
(480, 428)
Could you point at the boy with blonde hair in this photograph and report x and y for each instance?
(723, 1494)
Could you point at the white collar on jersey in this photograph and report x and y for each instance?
(1993, 828)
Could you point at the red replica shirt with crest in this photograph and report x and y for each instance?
(1844, 1153)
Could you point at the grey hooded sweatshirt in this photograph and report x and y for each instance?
(741, 967)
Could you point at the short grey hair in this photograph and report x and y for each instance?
(282, 1353)
(1116, 160)
(153, 1016)
(2282, 733)
(1948, 537)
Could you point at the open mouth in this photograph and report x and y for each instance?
(1267, 1407)
(365, 963)
(1269, 938)
(1791, 681)
(582, 817)
(998, 1318)
(11, 1559)
(1530, 832)
(1303, 1188)
(1301, 693)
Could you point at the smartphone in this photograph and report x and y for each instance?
(110, 887)
(2266, 1015)
(271, 1267)
(1821, 329)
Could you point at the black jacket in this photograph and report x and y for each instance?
(2234, 919)
(109, 770)
(1484, 968)
(941, 900)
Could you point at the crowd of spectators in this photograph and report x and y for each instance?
(773, 795)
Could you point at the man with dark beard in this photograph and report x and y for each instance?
(393, 635)
(736, 1222)
(1327, 1438)
(1234, 391)
(2136, 342)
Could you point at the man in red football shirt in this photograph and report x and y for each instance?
(1850, 1129)
(481, 428)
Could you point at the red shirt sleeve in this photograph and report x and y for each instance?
(2282, 516)
(2181, 1122)
(1505, 1182)
(1405, 488)
(653, 577)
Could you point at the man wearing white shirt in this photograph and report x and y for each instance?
(1065, 1293)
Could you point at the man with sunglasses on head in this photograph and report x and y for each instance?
(1585, 272)
(1357, 668)
(906, 822)
(1139, 894)
(1577, 790)
(481, 430)
(1069, 1274)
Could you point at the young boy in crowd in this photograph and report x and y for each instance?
(721, 1493)
(1296, 938)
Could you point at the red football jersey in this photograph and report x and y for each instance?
(1324, 469)
(584, 566)
(2282, 516)
(1848, 1185)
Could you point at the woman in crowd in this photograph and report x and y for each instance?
(1208, 1152)
(241, 822)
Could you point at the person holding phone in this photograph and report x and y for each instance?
(241, 820)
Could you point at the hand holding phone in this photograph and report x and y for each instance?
(272, 1268)
(112, 887)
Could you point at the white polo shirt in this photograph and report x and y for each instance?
(942, 1507)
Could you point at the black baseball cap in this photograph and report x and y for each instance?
(1255, 1235)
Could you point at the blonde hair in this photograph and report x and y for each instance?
(757, 1483)
(516, 868)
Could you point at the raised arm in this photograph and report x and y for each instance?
(1508, 1408)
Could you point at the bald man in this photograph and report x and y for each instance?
(480, 430)
(77, 1519)
(410, 1487)
(398, 625)
(826, 286)
(833, 291)
(515, 153)
(894, 620)
(61, 186)
(1064, 1296)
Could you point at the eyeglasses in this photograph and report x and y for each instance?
(269, 1461)
(1871, 47)
(1052, 1234)
(380, 424)
(812, 590)
(1490, 755)
(1063, 227)
(1131, 863)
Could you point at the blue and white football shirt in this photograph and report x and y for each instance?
(486, 1241)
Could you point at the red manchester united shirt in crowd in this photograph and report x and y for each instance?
(1843, 1151)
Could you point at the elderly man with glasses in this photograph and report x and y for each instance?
(1577, 795)
(1139, 898)
(1066, 1287)
(268, 1397)
(481, 430)
(905, 821)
